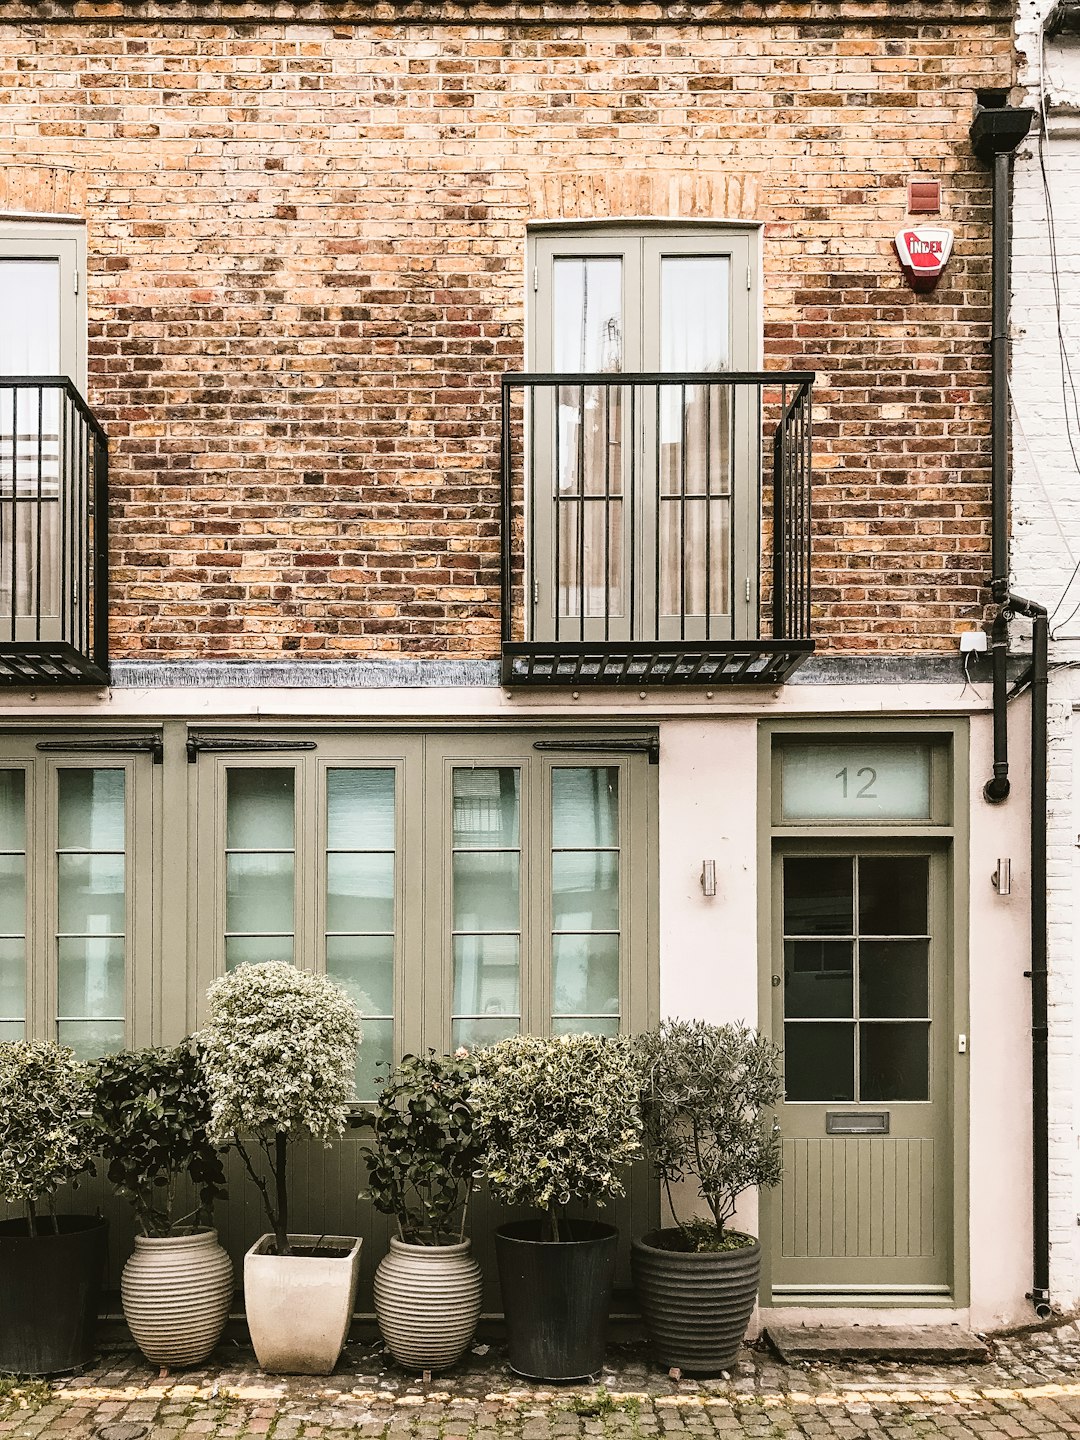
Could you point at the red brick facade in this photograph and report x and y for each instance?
(307, 275)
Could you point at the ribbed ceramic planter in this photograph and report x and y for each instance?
(427, 1300)
(696, 1307)
(556, 1297)
(176, 1292)
(299, 1307)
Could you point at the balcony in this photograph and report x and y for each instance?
(53, 536)
(656, 528)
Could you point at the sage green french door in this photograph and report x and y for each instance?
(461, 887)
(76, 895)
(645, 518)
(861, 988)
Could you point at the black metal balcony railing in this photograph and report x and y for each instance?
(53, 535)
(656, 528)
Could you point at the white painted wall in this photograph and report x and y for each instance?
(1046, 543)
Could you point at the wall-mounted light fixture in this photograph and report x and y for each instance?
(1001, 877)
(708, 877)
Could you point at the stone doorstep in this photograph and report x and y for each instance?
(921, 1344)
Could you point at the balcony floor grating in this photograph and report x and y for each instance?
(750, 662)
(46, 663)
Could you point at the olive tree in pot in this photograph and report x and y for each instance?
(279, 1053)
(421, 1168)
(558, 1117)
(708, 1098)
(151, 1112)
(50, 1264)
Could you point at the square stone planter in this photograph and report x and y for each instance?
(299, 1306)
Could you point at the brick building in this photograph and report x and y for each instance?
(417, 657)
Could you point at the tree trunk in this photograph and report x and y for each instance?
(281, 1153)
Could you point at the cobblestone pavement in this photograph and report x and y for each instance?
(1030, 1387)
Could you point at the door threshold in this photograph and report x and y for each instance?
(924, 1344)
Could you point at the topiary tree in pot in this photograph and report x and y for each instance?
(709, 1094)
(51, 1264)
(279, 1053)
(559, 1118)
(421, 1165)
(151, 1115)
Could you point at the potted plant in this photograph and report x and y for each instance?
(558, 1117)
(279, 1053)
(150, 1116)
(50, 1264)
(708, 1097)
(421, 1165)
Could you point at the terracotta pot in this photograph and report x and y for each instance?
(177, 1290)
(299, 1307)
(427, 1300)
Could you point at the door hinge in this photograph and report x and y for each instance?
(961, 1044)
(536, 277)
(75, 281)
(241, 745)
(749, 596)
(151, 745)
(749, 278)
(536, 592)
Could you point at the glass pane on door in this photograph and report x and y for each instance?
(588, 329)
(585, 900)
(260, 865)
(12, 904)
(696, 437)
(485, 904)
(91, 933)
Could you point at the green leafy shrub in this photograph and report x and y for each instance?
(151, 1113)
(422, 1161)
(708, 1094)
(279, 1054)
(559, 1117)
(45, 1138)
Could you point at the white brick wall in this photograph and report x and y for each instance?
(1045, 551)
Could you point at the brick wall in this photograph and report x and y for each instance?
(307, 275)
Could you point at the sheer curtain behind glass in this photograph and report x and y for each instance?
(588, 337)
(29, 442)
(695, 437)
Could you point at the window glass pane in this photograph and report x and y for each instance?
(12, 979)
(12, 894)
(91, 981)
(258, 893)
(30, 305)
(894, 978)
(91, 810)
(92, 910)
(694, 312)
(257, 949)
(585, 975)
(487, 971)
(894, 1062)
(486, 804)
(363, 965)
(818, 979)
(375, 1055)
(359, 892)
(360, 809)
(587, 313)
(893, 894)
(91, 894)
(585, 806)
(819, 1061)
(12, 1030)
(91, 1038)
(486, 891)
(474, 1033)
(260, 809)
(818, 896)
(585, 890)
(580, 1025)
(12, 810)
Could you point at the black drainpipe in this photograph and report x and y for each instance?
(996, 131)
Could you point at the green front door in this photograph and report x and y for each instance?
(861, 986)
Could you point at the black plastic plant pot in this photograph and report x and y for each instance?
(696, 1306)
(49, 1288)
(556, 1297)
